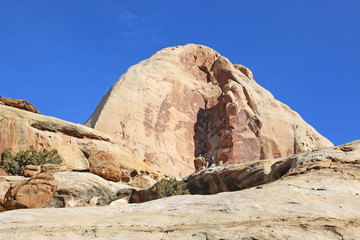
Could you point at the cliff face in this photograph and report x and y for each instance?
(188, 101)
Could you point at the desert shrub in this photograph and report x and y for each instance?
(170, 187)
(14, 164)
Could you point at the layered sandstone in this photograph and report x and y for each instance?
(316, 197)
(188, 101)
(74, 142)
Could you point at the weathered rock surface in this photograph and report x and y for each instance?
(188, 101)
(105, 166)
(74, 142)
(78, 189)
(241, 176)
(31, 170)
(36, 192)
(317, 199)
(21, 104)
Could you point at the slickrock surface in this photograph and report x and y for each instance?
(188, 101)
(20, 129)
(317, 199)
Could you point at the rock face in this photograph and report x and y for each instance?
(74, 142)
(37, 192)
(188, 101)
(241, 176)
(317, 198)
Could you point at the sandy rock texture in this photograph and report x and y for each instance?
(318, 198)
(78, 189)
(36, 192)
(188, 101)
(20, 129)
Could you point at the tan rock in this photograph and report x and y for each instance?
(104, 165)
(241, 176)
(199, 163)
(79, 189)
(5, 183)
(31, 170)
(53, 168)
(318, 199)
(74, 142)
(188, 100)
(36, 192)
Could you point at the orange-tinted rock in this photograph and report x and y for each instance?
(21, 104)
(74, 142)
(37, 192)
(188, 101)
(105, 166)
(199, 163)
(31, 170)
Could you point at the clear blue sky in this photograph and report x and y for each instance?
(63, 56)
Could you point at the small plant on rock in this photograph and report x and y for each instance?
(170, 187)
(14, 164)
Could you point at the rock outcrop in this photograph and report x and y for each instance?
(241, 176)
(21, 104)
(37, 192)
(317, 198)
(79, 189)
(74, 142)
(105, 166)
(188, 101)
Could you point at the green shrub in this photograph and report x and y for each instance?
(170, 187)
(14, 164)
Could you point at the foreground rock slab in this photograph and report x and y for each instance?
(318, 199)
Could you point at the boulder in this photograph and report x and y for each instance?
(79, 189)
(36, 192)
(31, 170)
(105, 166)
(188, 101)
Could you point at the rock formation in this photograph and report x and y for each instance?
(105, 166)
(78, 189)
(37, 192)
(74, 142)
(21, 104)
(316, 196)
(188, 101)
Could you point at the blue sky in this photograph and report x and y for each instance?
(63, 56)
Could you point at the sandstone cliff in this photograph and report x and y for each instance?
(188, 101)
